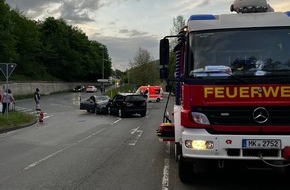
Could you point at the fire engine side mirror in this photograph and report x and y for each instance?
(164, 51)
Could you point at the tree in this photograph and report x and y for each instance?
(7, 39)
(178, 24)
(28, 46)
(49, 49)
(144, 71)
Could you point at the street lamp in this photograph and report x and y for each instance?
(103, 69)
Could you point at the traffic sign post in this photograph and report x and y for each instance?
(7, 69)
(103, 80)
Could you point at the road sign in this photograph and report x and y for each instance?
(7, 68)
(103, 80)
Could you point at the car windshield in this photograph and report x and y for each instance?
(135, 98)
(243, 52)
(101, 98)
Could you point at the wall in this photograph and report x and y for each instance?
(44, 87)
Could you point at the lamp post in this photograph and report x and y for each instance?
(103, 69)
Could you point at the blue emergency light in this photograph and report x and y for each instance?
(202, 17)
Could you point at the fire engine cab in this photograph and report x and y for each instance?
(232, 89)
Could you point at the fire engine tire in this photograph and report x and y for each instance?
(158, 100)
(185, 170)
(287, 169)
(177, 151)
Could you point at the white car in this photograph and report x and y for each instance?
(91, 89)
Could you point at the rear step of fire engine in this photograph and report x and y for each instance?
(165, 132)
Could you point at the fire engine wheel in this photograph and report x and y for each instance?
(185, 170)
(287, 169)
(158, 100)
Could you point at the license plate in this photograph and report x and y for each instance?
(261, 143)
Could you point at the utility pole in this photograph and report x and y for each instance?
(103, 69)
(7, 69)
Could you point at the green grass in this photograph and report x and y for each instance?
(15, 119)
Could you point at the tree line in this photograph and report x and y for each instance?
(53, 50)
(49, 49)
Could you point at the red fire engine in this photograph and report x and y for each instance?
(232, 95)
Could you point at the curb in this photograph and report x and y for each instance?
(17, 127)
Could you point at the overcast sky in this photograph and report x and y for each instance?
(126, 25)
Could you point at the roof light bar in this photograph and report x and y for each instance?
(251, 6)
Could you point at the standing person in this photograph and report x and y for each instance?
(7, 99)
(36, 99)
(1, 101)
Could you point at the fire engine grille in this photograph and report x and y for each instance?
(244, 116)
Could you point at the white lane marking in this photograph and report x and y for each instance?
(165, 178)
(116, 121)
(134, 130)
(137, 137)
(61, 150)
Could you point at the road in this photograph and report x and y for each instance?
(73, 149)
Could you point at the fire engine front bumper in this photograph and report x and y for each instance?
(198, 143)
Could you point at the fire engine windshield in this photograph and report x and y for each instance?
(240, 52)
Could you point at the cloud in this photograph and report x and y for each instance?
(121, 48)
(133, 33)
(125, 25)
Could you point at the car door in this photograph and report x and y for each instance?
(115, 103)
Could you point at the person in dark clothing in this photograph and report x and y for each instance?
(36, 99)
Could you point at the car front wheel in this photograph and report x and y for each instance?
(121, 113)
(143, 114)
(109, 111)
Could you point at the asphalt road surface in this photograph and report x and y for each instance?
(73, 149)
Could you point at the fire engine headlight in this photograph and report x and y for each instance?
(200, 118)
(199, 144)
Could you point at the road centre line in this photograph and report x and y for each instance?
(61, 150)
(120, 119)
(137, 137)
(134, 130)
